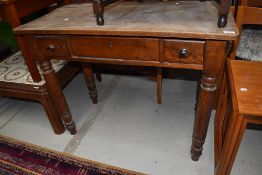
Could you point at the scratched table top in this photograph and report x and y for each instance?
(184, 19)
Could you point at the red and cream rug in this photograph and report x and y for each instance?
(21, 158)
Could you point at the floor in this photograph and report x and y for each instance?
(128, 129)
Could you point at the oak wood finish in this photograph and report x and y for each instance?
(115, 47)
(156, 35)
(183, 51)
(248, 12)
(245, 107)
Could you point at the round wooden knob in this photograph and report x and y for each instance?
(51, 47)
(183, 53)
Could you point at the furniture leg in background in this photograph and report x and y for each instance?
(159, 78)
(90, 81)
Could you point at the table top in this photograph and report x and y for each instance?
(247, 89)
(183, 19)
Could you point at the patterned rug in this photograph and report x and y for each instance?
(20, 158)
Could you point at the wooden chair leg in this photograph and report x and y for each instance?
(89, 77)
(159, 84)
(98, 9)
(233, 138)
(53, 117)
(223, 13)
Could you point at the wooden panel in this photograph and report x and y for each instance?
(254, 3)
(116, 48)
(246, 83)
(194, 51)
(53, 46)
(252, 15)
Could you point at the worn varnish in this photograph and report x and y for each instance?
(187, 19)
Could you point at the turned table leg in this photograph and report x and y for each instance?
(223, 13)
(57, 95)
(214, 59)
(90, 81)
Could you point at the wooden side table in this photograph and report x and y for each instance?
(233, 114)
(170, 38)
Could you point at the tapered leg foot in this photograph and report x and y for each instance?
(222, 21)
(100, 20)
(71, 127)
(98, 76)
(56, 94)
(196, 152)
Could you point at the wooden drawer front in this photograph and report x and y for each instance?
(53, 46)
(183, 51)
(116, 48)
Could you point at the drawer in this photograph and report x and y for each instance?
(116, 48)
(183, 51)
(53, 46)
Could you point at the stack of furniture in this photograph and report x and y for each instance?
(17, 77)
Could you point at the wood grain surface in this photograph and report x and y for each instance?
(247, 83)
(186, 19)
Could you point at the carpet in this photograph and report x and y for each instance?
(21, 158)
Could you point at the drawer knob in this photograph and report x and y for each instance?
(51, 47)
(183, 53)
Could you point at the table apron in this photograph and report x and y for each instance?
(160, 52)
